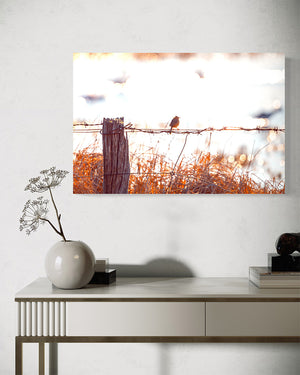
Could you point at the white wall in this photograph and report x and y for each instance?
(212, 235)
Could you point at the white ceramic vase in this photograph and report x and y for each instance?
(70, 264)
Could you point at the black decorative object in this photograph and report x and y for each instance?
(287, 243)
(284, 263)
(106, 277)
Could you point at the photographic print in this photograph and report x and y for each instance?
(178, 123)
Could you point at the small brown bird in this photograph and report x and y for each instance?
(174, 123)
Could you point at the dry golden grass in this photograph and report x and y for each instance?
(202, 173)
(88, 172)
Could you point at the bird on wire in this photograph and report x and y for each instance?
(174, 123)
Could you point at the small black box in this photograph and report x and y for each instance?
(107, 277)
(284, 263)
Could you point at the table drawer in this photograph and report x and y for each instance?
(253, 319)
(135, 319)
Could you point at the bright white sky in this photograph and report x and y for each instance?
(158, 89)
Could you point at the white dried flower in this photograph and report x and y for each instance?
(34, 213)
(50, 178)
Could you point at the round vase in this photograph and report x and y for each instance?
(70, 264)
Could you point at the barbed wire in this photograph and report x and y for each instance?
(171, 173)
(129, 173)
(129, 128)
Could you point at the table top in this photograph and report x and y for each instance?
(189, 288)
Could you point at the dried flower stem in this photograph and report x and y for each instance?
(48, 221)
(61, 232)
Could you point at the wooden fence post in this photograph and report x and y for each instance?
(115, 157)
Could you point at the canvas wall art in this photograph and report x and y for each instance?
(178, 123)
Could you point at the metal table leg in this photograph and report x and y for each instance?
(41, 358)
(53, 358)
(18, 356)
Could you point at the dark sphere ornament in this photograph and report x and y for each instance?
(287, 243)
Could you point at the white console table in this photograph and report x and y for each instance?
(155, 310)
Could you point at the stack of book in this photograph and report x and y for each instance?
(282, 272)
(103, 274)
